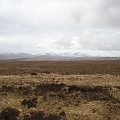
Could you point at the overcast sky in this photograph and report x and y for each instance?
(38, 26)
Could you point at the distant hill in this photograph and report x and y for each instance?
(51, 57)
(15, 56)
(66, 57)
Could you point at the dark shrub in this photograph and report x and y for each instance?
(31, 102)
(53, 117)
(118, 87)
(73, 88)
(24, 90)
(43, 88)
(61, 96)
(58, 115)
(1, 117)
(36, 115)
(10, 114)
(46, 72)
(91, 92)
(91, 88)
(33, 73)
(7, 88)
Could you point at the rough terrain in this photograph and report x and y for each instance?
(59, 90)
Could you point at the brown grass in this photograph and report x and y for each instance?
(57, 96)
(61, 67)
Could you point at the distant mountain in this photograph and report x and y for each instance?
(15, 55)
(53, 57)
(50, 58)
(67, 57)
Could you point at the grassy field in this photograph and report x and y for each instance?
(61, 67)
(77, 90)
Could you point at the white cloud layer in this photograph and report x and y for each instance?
(37, 26)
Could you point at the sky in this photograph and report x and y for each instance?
(41, 26)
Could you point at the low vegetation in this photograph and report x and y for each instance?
(54, 96)
(60, 67)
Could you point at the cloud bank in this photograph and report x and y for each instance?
(37, 26)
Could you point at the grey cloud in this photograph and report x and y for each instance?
(92, 40)
(110, 11)
(7, 47)
(98, 13)
(37, 15)
(65, 42)
(101, 41)
(64, 24)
